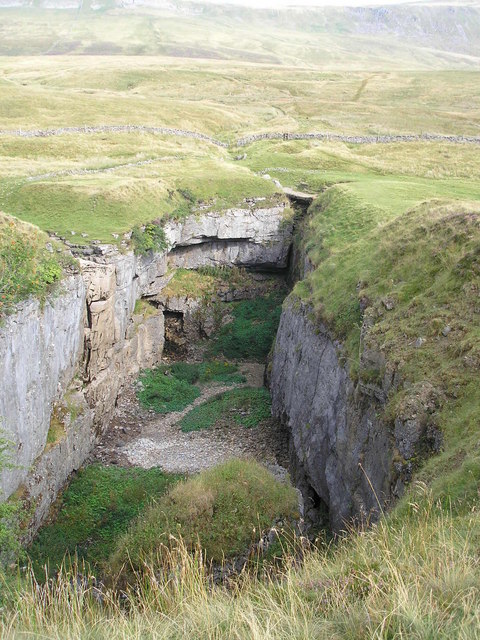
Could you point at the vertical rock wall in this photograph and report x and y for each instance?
(39, 351)
(339, 444)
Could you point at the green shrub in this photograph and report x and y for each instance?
(26, 268)
(94, 511)
(148, 238)
(165, 393)
(252, 331)
(223, 509)
(10, 532)
(247, 407)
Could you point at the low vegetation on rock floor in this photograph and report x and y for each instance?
(95, 509)
(250, 335)
(247, 407)
(173, 387)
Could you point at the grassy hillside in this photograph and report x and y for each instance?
(424, 35)
(101, 184)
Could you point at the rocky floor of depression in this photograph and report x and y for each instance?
(140, 437)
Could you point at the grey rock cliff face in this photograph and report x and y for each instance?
(248, 237)
(339, 445)
(39, 350)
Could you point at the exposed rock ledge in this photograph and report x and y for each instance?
(63, 365)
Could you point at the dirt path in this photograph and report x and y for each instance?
(137, 437)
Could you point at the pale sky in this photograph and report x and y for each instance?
(277, 4)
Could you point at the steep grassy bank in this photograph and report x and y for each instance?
(29, 264)
(414, 575)
(413, 281)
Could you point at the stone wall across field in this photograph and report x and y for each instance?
(349, 139)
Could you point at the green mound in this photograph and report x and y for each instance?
(223, 510)
(247, 407)
(94, 511)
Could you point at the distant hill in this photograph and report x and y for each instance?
(416, 35)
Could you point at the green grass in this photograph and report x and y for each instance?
(93, 512)
(203, 372)
(103, 204)
(415, 574)
(173, 387)
(27, 268)
(247, 407)
(251, 333)
(165, 393)
(223, 510)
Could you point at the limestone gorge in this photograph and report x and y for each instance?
(115, 317)
(71, 358)
(239, 320)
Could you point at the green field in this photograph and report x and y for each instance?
(101, 184)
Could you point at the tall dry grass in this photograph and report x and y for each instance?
(413, 575)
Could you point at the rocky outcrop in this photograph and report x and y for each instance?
(348, 454)
(39, 350)
(119, 338)
(253, 236)
(339, 445)
(71, 422)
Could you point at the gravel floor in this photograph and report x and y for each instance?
(138, 437)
